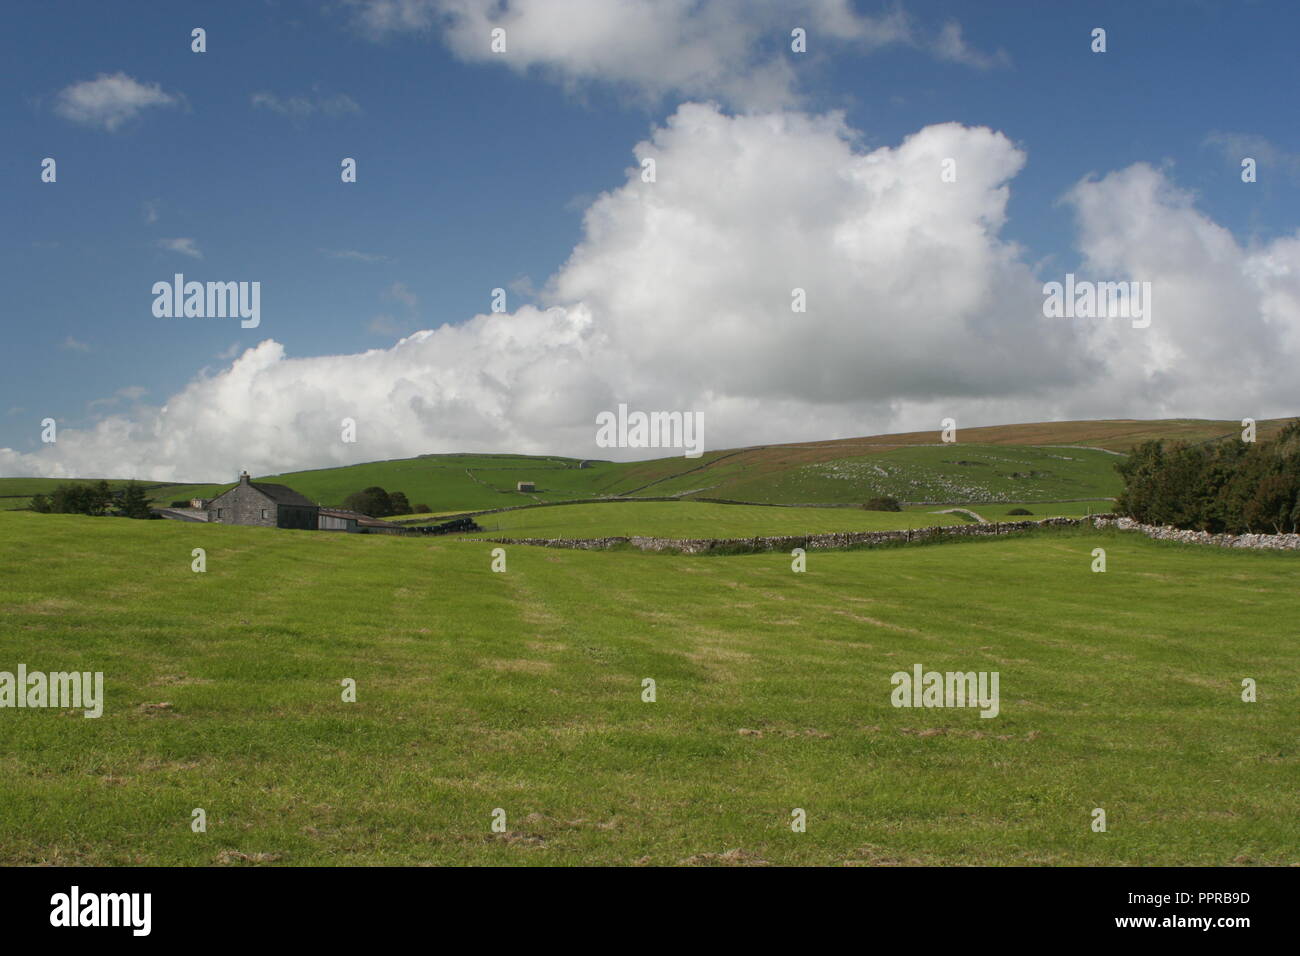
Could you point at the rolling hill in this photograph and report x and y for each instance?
(1038, 462)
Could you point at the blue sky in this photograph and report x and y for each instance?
(473, 175)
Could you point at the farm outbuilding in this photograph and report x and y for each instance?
(264, 504)
(354, 522)
(526, 486)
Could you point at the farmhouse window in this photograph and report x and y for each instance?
(263, 514)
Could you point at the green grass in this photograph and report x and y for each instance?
(689, 518)
(958, 473)
(1001, 511)
(522, 691)
(694, 519)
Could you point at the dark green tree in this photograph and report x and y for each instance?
(372, 501)
(134, 503)
(1226, 486)
(82, 499)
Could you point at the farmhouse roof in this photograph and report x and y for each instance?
(279, 494)
(282, 494)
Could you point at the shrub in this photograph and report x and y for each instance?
(422, 510)
(883, 503)
(1019, 511)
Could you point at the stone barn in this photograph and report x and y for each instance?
(526, 486)
(264, 504)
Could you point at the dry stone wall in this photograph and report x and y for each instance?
(786, 542)
(1282, 542)
(916, 535)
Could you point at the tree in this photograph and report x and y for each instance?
(1140, 471)
(378, 503)
(1228, 486)
(99, 498)
(1224, 461)
(82, 499)
(1271, 506)
(134, 503)
(68, 500)
(41, 503)
(422, 510)
(372, 501)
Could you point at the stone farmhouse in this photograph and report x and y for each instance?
(278, 506)
(264, 504)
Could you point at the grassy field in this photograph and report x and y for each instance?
(522, 690)
(1038, 509)
(694, 519)
(701, 519)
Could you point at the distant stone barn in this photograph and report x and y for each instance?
(525, 486)
(265, 505)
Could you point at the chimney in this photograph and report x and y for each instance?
(243, 477)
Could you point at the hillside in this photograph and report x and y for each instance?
(913, 466)
(810, 472)
(1034, 462)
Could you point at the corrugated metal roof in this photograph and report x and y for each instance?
(358, 517)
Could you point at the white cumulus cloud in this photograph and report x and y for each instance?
(734, 50)
(110, 100)
(678, 297)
